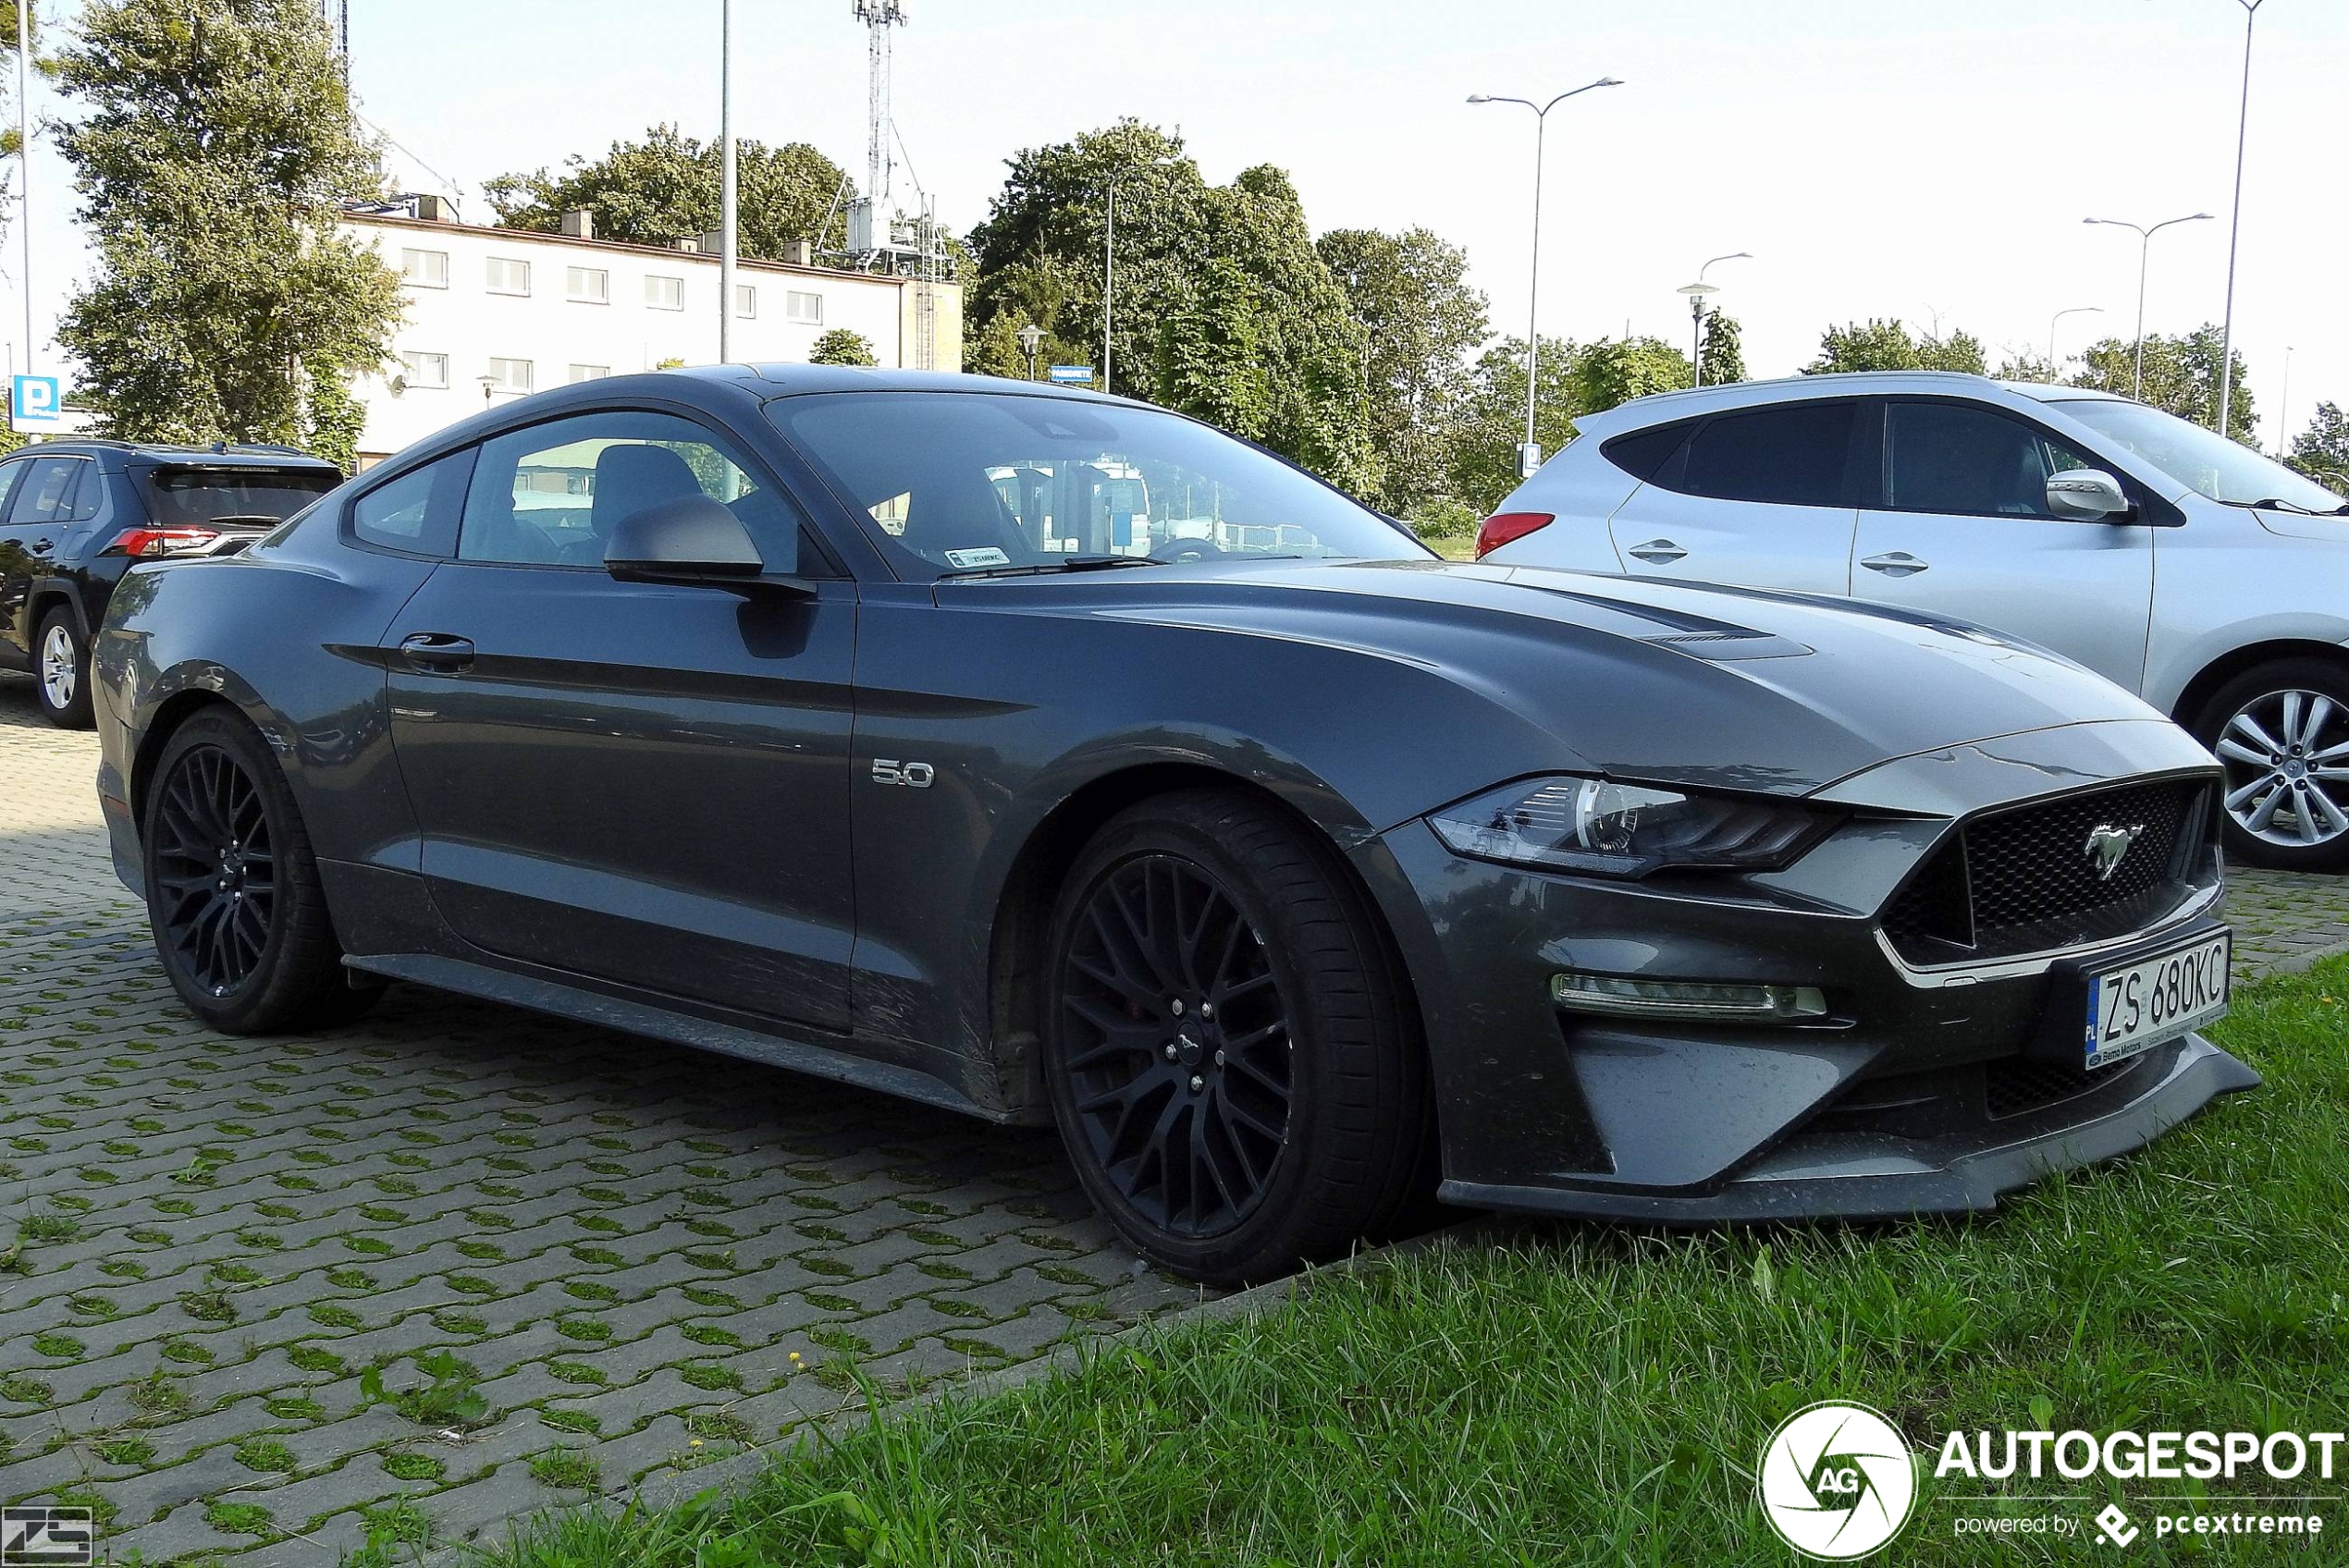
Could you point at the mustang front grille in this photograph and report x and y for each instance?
(2084, 868)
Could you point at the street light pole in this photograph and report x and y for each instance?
(1528, 456)
(2234, 225)
(726, 192)
(1696, 292)
(2283, 406)
(1029, 337)
(24, 166)
(2053, 366)
(1109, 279)
(2144, 248)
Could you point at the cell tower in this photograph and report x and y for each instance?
(869, 215)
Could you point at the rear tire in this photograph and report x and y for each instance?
(61, 671)
(2287, 803)
(1233, 1058)
(233, 895)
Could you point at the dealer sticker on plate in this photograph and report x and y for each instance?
(2157, 999)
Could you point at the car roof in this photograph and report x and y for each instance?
(1657, 408)
(245, 455)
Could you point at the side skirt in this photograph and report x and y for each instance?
(683, 1029)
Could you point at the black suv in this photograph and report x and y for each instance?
(75, 514)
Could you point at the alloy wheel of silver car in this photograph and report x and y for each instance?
(2287, 759)
(60, 666)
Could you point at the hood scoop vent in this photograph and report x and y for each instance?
(1698, 636)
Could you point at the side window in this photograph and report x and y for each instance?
(1794, 454)
(1643, 453)
(11, 474)
(415, 513)
(550, 495)
(46, 493)
(1969, 461)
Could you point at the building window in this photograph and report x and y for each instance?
(507, 276)
(510, 376)
(425, 370)
(805, 308)
(425, 269)
(589, 285)
(745, 301)
(589, 373)
(665, 293)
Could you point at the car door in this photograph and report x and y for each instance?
(635, 782)
(1959, 524)
(37, 507)
(1763, 497)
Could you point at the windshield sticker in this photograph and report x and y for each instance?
(962, 560)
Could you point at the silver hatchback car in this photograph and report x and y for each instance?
(2206, 578)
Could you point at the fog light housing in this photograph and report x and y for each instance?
(1618, 996)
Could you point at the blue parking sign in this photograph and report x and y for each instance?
(37, 402)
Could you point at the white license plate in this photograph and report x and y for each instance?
(2157, 999)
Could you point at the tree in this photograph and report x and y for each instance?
(2322, 450)
(2181, 376)
(1619, 369)
(1886, 345)
(665, 189)
(843, 347)
(1480, 446)
(214, 150)
(1723, 353)
(1419, 320)
(1224, 307)
(2022, 364)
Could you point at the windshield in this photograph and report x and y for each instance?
(2198, 458)
(183, 497)
(968, 482)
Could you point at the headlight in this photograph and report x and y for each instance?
(1595, 825)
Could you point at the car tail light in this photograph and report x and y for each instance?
(152, 544)
(1504, 528)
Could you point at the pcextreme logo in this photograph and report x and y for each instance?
(1837, 1481)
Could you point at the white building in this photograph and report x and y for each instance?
(500, 312)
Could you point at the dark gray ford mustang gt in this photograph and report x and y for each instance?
(1049, 756)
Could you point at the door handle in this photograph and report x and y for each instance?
(437, 652)
(1899, 563)
(1658, 551)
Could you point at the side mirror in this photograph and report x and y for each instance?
(2088, 493)
(691, 539)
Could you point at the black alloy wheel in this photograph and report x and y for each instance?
(1178, 1046)
(1232, 1050)
(216, 869)
(233, 892)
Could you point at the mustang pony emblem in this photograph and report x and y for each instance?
(2107, 844)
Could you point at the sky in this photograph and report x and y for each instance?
(1927, 159)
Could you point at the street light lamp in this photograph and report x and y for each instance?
(2145, 244)
(1528, 457)
(1109, 257)
(2234, 225)
(1029, 337)
(1696, 292)
(2053, 366)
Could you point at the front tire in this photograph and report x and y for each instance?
(61, 671)
(2282, 732)
(233, 895)
(1232, 1055)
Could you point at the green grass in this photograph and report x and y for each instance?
(1590, 1394)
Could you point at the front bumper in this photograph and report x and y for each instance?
(1924, 1090)
(1854, 1173)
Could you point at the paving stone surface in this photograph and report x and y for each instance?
(640, 1259)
